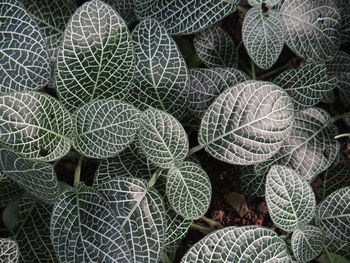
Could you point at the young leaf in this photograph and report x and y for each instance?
(96, 59)
(333, 215)
(216, 48)
(188, 190)
(252, 182)
(35, 125)
(262, 35)
(178, 16)
(162, 138)
(289, 197)
(235, 244)
(9, 190)
(247, 124)
(8, 250)
(125, 8)
(313, 34)
(23, 55)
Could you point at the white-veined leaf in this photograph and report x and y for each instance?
(336, 247)
(216, 48)
(289, 198)
(252, 182)
(104, 128)
(23, 55)
(8, 250)
(247, 124)
(307, 85)
(269, 3)
(184, 17)
(331, 257)
(35, 125)
(96, 59)
(125, 9)
(311, 28)
(249, 244)
(344, 10)
(262, 35)
(161, 73)
(307, 242)
(140, 213)
(333, 215)
(188, 190)
(82, 217)
(9, 190)
(162, 138)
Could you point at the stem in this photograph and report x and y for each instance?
(342, 135)
(195, 149)
(212, 222)
(252, 66)
(154, 178)
(78, 170)
(205, 230)
(338, 117)
(164, 258)
(277, 70)
(245, 67)
(328, 255)
(242, 9)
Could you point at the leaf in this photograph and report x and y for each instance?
(9, 190)
(262, 35)
(96, 59)
(216, 48)
(8, 250)
(82, 217)
(140, 213)
(104, 128)
(247, 124)
(35, 125)
(252, 182)
(239, 244)
(178, 16)
(161, 73)
(289, 197)
(188, 190)
(312, 35)
(325, 258)
(307, 85)
(162, 138)
(23, 55)
(125, 8)
(344, 10)
(266, 2)
(307, 242)
(238, 202)
(333, 215)
(336, 247)
(37, 178)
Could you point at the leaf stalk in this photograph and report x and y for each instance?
(78, 170)
(204, 229)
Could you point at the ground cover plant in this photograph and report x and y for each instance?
(174, 131)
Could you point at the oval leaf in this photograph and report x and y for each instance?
(125, 8)
(8, 250)
(9, 190)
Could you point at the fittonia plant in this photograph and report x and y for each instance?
(111, 82)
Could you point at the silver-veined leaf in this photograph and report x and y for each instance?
(96, 59)
(83, 217)
(268, 3)
(162, 138)
(262, 35)
(337, 247)
(140, 213)
(313, 34)
(8, 250)
(344, 10)
(307, 242)
(125, 9)
(161, 73)
(104, 128)
(35, 125)
(188, 190)
(216, 48)
(178, 16)
(249, 244)
(333, 215)
(247, 124)
(289, 198)
(9, 190)
(23, 55)
(307, 85)
(252, 182)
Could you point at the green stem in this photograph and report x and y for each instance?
(245, 67)
(205, 230)
(195, 149)
(277, 70)
(69, 155)
(342, 135)
(252, 66)
(328, 255)
(242, 9)
(154, 178)
(212, 222)
(164, 258)
(338, 117)
(78, 170)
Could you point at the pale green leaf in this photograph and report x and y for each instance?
(251, 182)
(125, 9)
(9, 190)
(8, 250)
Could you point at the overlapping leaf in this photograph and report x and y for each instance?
(125, 8)
(266, 2)
(239, 244)
(344, 10)
(262, 35)
(336, 247)
(8, 250)
(333, 215)
(35, 125)
(252, 182)
(311, 28)
(96, 60)
(9, 190)
(184, 17)
(23, 55)
(247, 123)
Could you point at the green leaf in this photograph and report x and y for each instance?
(325, 258)
(336, 247)
(35, 125)
(8, 250)
(307, 85)
(125, 8)
(82, 217)
(216, 48)
(269, 3)
(178, 16)
(96, 59)
(289, 197)
(307, 242)
(333, 215)
(9, 190)
(161, 73)
(162, 138)
(249, 244)
(262, 35)
(188, 190)
(23, 55)
(242, 127)
(104, 128)
(312, 35)
(252, 182)
(344, 10)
